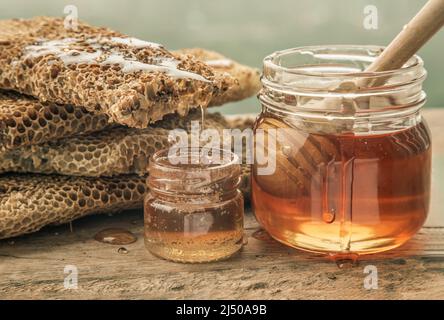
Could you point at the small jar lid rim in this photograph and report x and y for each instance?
(162, 154)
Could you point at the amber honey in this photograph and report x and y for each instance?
(352, 151)
(194, 211)
(345, 192)
(193, 233)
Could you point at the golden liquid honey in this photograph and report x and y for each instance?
(193, 212)
(352, 151)
(347, 193)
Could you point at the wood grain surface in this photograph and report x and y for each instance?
(32, 266)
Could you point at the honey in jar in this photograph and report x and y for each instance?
(352, 167)
(194, 209)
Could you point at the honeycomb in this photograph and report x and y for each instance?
(35, 135)
(90, 68)
(25, 121)
(248, 79)
(30, 202)
(109, 152)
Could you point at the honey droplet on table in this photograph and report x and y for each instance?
(122, 250)
(115, 236)
(345, 260)
(262, 235)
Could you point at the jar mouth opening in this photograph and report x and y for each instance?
(332, 61)
(212, 171)
(199, 159)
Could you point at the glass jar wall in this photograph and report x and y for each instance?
(352, 151)
(194, 209)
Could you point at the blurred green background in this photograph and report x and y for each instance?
(248, 30)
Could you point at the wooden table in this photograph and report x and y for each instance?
(33, 266)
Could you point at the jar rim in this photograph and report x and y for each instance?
(161, 158)
(270, 62)
(332, 79)
(194, 179)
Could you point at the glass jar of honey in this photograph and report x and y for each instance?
(351, 151)
(194, 210)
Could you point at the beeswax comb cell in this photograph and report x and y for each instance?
(26, 121)
(247, 79)
(133, 82)
(110, 152)
(30, 202)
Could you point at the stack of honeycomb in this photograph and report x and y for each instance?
(82, 111)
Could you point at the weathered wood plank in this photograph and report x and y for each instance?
(32, 266)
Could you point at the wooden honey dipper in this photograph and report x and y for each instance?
(413, 36)
(306, 153)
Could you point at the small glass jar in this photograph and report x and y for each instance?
(352, 152)
(194, 209)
